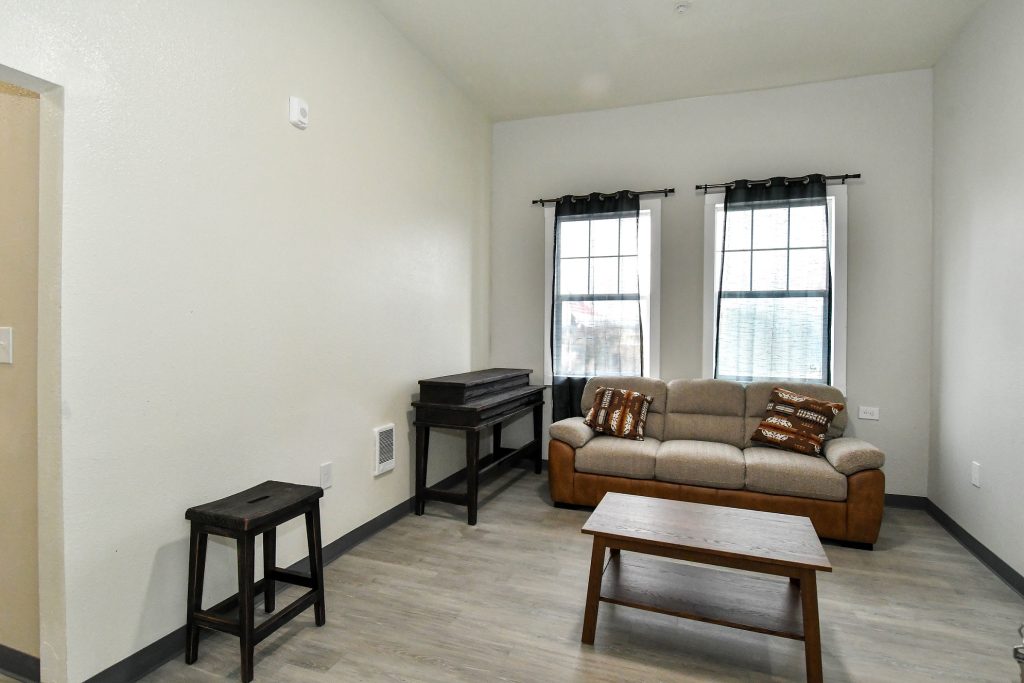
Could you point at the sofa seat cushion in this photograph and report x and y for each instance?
(617, 457)
(700, 463)
(770, 470)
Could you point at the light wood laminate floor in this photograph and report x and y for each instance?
(432, 599)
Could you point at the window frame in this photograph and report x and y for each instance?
(839, 281)
(652, 330)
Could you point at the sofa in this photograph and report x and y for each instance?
(697, 447)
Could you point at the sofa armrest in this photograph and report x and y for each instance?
(572, 431)
(849, 455)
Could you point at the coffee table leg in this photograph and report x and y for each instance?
(812, 631)
(593, 591)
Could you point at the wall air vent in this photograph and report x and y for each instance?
(384, 460)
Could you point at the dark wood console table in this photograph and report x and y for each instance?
(471, 402)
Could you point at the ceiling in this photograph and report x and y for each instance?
(524, 58)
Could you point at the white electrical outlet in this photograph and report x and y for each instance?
(868, 413)
(327, 475)
(976, 474)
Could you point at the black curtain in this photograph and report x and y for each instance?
(567, 389)
(766, 327)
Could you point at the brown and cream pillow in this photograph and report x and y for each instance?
(619, 412)
(796, 422)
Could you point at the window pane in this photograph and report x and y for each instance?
(598, 338)
(604, 237)
(604, 275)
(737, 272)
(807, 226)
(628, 282)
(762, 339)
(627, 235)
(572, 276)
(769, 270)
(737, 235)
(573, 238)
(807, 269)
(770, 226)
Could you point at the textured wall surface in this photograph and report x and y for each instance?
(977, 369)
(243, 301)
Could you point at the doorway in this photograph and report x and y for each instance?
(19, 327)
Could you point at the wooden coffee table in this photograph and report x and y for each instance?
(749, 540)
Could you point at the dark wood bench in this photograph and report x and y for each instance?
(244, 516)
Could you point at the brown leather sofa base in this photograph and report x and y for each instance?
(857, 519)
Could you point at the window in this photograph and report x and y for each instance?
(777, 321)
(603, 268)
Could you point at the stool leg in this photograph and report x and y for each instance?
(316, 563)
(246, 565)
(196, 570)
(269, 563)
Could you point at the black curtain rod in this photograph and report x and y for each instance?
(667, 191)
(844, 177)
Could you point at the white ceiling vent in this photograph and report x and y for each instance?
(385, 449)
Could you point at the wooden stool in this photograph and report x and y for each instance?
(243, 516)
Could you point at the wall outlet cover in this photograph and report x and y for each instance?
(976, 474)
(868, 413)
(327, 475)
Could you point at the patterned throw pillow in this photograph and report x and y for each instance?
(796, 422)
(619, 412)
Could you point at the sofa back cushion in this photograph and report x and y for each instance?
(759, 393)
(706, 410)
(655, 388)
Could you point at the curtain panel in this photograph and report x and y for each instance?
(774, 282)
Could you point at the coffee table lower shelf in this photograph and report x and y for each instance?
(764, 604)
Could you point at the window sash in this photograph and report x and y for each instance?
(714, 254)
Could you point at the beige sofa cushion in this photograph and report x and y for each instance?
(617, 457)
(849, 455)
(759, 393)
(655, 388)
(705, 410)
(700, 463)
(572, 431)
(770, 470)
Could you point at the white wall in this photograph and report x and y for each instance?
(977, 368)
(241, 300)
(879, 126)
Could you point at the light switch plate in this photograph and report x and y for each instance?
(326, 475)
(6, 345)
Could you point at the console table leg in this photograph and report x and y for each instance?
(593, 591)
(538, 422)
(812, 632)
(422, 446)
(472, 473)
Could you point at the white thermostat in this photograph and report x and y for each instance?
(298, 112)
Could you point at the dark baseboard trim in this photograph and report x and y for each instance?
(896, 500)
(1008, 574)
(19, 665)
(158, 653)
